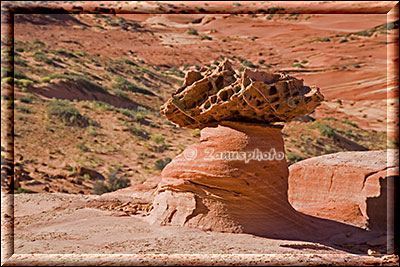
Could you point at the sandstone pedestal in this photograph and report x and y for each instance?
(234, 180)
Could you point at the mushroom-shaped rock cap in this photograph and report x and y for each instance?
(210, 96)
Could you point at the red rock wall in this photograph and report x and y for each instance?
(349, 187)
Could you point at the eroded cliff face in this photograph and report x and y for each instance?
(210, 96)
(349, 187)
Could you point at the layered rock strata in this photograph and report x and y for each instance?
(233, 180)
(355, 188)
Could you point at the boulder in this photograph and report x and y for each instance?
(349, 187)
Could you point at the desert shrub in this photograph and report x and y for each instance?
(363, 33)
(195, 132)
(326, 39)
(205, 37)
(128, 61)
(113, 183)
(20, 75)
(19, 61)
(104, 106)
(157, 139)
(123, 84)
(24, 109)
(39, 56)
(343, 40)
(29, 98)
(297, 65)
(23, 82)
(176, 72)
(69, 115)
(7, 80)
(65, 53)
(83, 147)
(138, 131)
(82, 81)
(161, 163)
(272, 10)
(246, 63)
(46, 79)
(6, 72)
(192, 31)
(20, 190)
(350, 123)
(121, 93)
(325, 129)
(38, 42)
(293, 157)
(92, 131)
(330, 119)
(236, 4)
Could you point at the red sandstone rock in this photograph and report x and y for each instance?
(349, 187)
(228, 195)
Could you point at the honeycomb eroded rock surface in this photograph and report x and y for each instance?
(211, 96)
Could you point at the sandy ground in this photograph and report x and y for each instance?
(54, 224)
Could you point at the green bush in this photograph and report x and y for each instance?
(24, 109)
(38, 42)
(137, 131)
(272, 10)
(195, 132)
(297, 65)
(46, 79)
(327, 131)
(19, 61)
(123, 84)
(8, 80)
(121, 93)
(323, 39)
(29, 98)
(65, 53)
(205, 37)
(293, 157)
(192, 31)
(23, 82)
(81, 81)
(161, 163)
(20, 190)
(350, 123)
(363, 33)
(83, 147)
(69, 115)
(39, 56)
(157, 139)
(113, 183)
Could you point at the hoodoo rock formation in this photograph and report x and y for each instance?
(211, 96)
(233, 180)
(236, 178)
